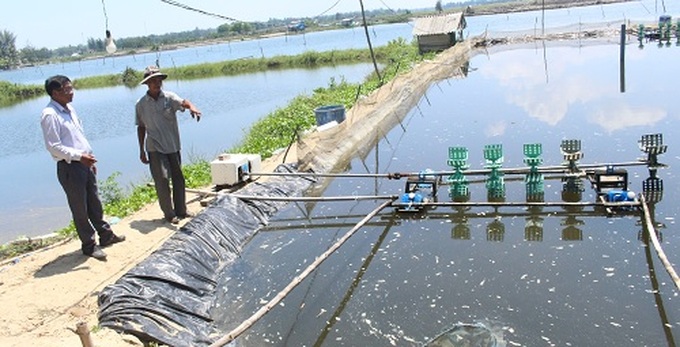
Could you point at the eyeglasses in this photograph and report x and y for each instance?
(66, 90)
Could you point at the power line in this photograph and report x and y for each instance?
(186, 7)
(388, 7)
(106, 17)
(330, 8)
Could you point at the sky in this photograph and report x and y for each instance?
(54, 24)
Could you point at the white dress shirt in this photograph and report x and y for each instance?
(63, 132)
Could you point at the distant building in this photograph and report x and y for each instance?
(347, 22)
(437, 33)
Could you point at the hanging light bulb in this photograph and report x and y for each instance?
(110, 45)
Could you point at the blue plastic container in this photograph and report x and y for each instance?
(327, 114)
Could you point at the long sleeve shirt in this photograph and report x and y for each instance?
(63, 132)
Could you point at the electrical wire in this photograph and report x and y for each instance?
(187, 7)
(330, 8)
(106, 17)
(388, 7)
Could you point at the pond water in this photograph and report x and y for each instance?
(32, 202)
(530, 22)
(266, 47)
(544, 276)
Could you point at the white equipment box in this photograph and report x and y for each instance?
(230, 169)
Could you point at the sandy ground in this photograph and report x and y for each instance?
(45, 294)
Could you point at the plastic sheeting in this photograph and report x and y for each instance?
(167, 298)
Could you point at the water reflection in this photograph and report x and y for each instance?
(653, 194)
(652, 190)
(495, 230)
(572, 230)
(533, 227)
(545, 102)
(461, 225)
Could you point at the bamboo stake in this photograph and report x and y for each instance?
(601, 198)
(657, 246)
(297, 280)
(84, 333)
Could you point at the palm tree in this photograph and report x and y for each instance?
(9, 56)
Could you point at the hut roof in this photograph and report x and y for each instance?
(441, 24)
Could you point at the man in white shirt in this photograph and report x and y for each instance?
(76, 170)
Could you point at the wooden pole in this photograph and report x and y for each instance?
(84, 333)
(370, 47)
(651, 231)
(622, 60)
(297, 280)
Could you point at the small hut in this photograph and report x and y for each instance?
(437, 33)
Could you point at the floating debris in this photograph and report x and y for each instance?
(469, 334)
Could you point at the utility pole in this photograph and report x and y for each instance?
(370, 48)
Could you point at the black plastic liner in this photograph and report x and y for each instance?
(167, 297)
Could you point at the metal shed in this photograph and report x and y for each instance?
(437, 33)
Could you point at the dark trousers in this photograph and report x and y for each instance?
(166, 168)
(80, 186)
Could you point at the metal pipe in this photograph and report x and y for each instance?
(314, 198)
(437, 204)
(509, 171)
(523, 204)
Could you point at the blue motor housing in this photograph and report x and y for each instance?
(413, 197)
(620, 195)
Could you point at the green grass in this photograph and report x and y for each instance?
(11, 93)
(15, 93)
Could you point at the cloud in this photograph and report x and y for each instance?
(622, 116)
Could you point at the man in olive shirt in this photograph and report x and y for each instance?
(158, 137)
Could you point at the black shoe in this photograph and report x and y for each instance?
(113, 239)
(186, 215)
(172, 220)
(96, 253)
